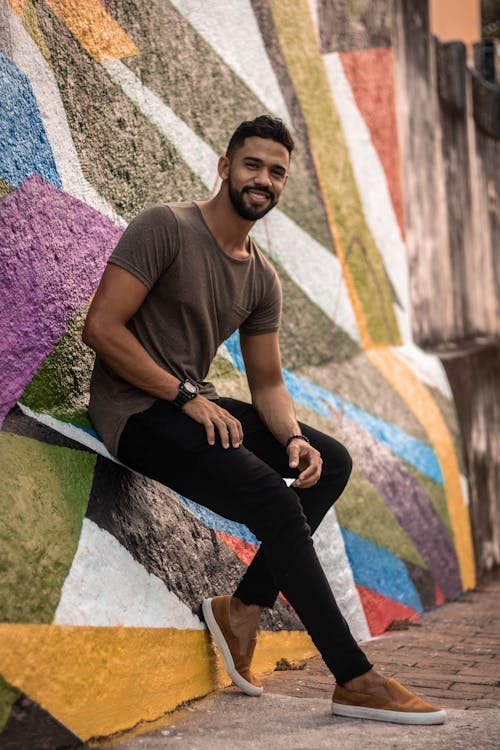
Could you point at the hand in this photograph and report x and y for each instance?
(213, 417)
(308, 460)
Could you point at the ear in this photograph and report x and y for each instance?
(223, 167)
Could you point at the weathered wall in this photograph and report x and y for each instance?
(450, 126)
(107, 107)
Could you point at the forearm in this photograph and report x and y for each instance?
(122, 351)
(275, 407)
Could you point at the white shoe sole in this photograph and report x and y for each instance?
(225, 653)
(397, 717)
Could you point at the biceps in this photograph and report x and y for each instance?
(118, 297)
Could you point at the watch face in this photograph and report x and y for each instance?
(190, 388)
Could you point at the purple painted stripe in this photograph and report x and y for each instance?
(409, 503)
(53, 250)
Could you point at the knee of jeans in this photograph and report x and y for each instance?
(282, 517)
(337, 461)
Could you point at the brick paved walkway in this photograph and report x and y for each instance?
(451, 656)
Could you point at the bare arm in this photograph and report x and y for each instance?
(117, 299)
(274, 404)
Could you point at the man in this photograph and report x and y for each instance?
(182, 278)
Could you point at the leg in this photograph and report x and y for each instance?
(165, 444)
(257, 585)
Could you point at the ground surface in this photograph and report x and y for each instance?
(451, 657)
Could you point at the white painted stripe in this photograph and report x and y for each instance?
(372, 187)
(231, 29)
(70, 431)
(201, 159)
(26, 55)
(330, 549)
(465, 489)
(106, 586)
(316, 270)
(427, 367)
(313, 6)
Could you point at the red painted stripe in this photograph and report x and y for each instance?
(244, 550)
(380, 611)
(439, 596)
(370, 73)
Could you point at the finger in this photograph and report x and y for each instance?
(311, 473)
(235, 429)
(293, 455)
(209, 429)
(235, 432)
(222, 429)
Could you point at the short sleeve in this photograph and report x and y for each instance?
(266, 317)
(149, 245)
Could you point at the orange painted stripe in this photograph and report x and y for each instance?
(99, 680)
(418, 399)
(94, 28)
(370, 73)
(17, 6)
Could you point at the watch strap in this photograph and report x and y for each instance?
(187, 391)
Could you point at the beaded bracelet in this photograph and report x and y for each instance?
(297, 437)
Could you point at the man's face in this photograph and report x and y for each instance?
(257, 174)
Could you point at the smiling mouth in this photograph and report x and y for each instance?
(258, 196)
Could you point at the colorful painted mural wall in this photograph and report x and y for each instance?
(106, 107)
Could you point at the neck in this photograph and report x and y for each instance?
(229, 229)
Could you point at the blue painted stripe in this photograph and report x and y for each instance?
(380, 570)
(213, 521)
(25, 148)
(410, 449)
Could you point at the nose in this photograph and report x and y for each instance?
(263, 178)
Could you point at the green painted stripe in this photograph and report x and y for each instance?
(362, 510)
(308, 337)
(45, 491)
(8, 696)
(5, 188)
(299, 44)
(61, 385)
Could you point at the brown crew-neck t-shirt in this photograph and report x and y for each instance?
(198, 296)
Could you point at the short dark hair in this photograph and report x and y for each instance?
(263, 126)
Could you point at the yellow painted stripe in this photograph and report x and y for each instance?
(360, 253)
(420, 401)
(364, 333)
(94, 28)
(98, 681)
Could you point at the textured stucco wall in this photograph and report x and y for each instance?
(107, 107)
(453, 241)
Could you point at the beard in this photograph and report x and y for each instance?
(246, 211)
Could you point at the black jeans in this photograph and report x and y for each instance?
(245, 485)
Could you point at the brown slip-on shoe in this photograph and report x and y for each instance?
(403, 707)
(237, 665)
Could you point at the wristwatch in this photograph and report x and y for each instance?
(187, 391)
